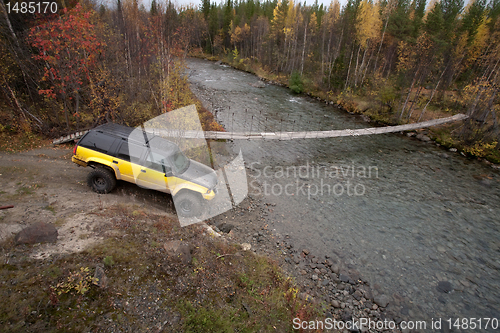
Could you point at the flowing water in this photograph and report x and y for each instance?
(406, 214)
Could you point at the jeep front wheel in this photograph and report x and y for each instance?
(101, 180)
(188, 204)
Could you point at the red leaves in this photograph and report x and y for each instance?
(69, 47)
(48, 92)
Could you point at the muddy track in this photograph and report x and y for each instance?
(45, 186)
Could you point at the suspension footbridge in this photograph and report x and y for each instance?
(243, 135)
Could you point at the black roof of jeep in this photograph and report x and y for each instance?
(134, 135)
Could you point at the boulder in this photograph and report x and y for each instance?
(102, 280)
(246, 247)
(258, 84)
(178, 251)
(444, 287)
(423, 137)
(381, 300)
(225, 227)
(40, 232)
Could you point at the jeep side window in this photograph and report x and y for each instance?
(123, 153)
(129, 152)
(180, 161)
(156, 161)
(97, 141)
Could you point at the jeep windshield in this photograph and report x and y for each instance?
(179, 161)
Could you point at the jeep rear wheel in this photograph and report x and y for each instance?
(101, 180)
(188, 204)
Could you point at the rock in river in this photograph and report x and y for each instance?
(381, 300)
(444, 287)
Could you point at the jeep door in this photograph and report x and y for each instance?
(128, 157)
(154, 165)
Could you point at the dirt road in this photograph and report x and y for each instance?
(45, 186)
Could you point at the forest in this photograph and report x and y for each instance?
(397, 61)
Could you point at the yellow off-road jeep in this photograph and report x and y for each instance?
(119, 152)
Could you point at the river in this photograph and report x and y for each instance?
(412, 218)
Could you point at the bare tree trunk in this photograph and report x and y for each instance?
(366, 67)
(332, 61)
(128, 56)
(303, 48)
(294, 52)
(9, 25)
(380, 46)
(408, 95)
(487, 111)
(432, 95)
(356, 68)
(16, 101)
(415, 98)
(138, 65)
(349, 70)
(66, 112)
(323, 51)
(362, 66)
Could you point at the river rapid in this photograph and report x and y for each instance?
(418, 222)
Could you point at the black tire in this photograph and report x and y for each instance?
(188, 204)
(101, 180)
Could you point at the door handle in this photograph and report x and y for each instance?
(115, 162)
(142, 170)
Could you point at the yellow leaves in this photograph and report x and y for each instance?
(410, 54)
(332, 15)
(239, 34)
(479, 91)
(235, 33)
(334, 9)
(276, 13)
(404, 56)
(291, 15)
(79, 281)
(313, 23)
(368, 23)
(480, 40)
(480, 148)
(278, 16)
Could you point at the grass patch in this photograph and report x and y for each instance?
(59, 222)
(17, 142)
(28, 189)
(50, 209)
(108, 261)
(494, 156)
(221, 289)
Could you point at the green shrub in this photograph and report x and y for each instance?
(108, 261)
(295, 83)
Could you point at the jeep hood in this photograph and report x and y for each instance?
(200, 174)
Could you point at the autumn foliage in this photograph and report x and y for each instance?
(69, 48)
(89, 64)
(409, 59)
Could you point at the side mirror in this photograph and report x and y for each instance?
(168, 171)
